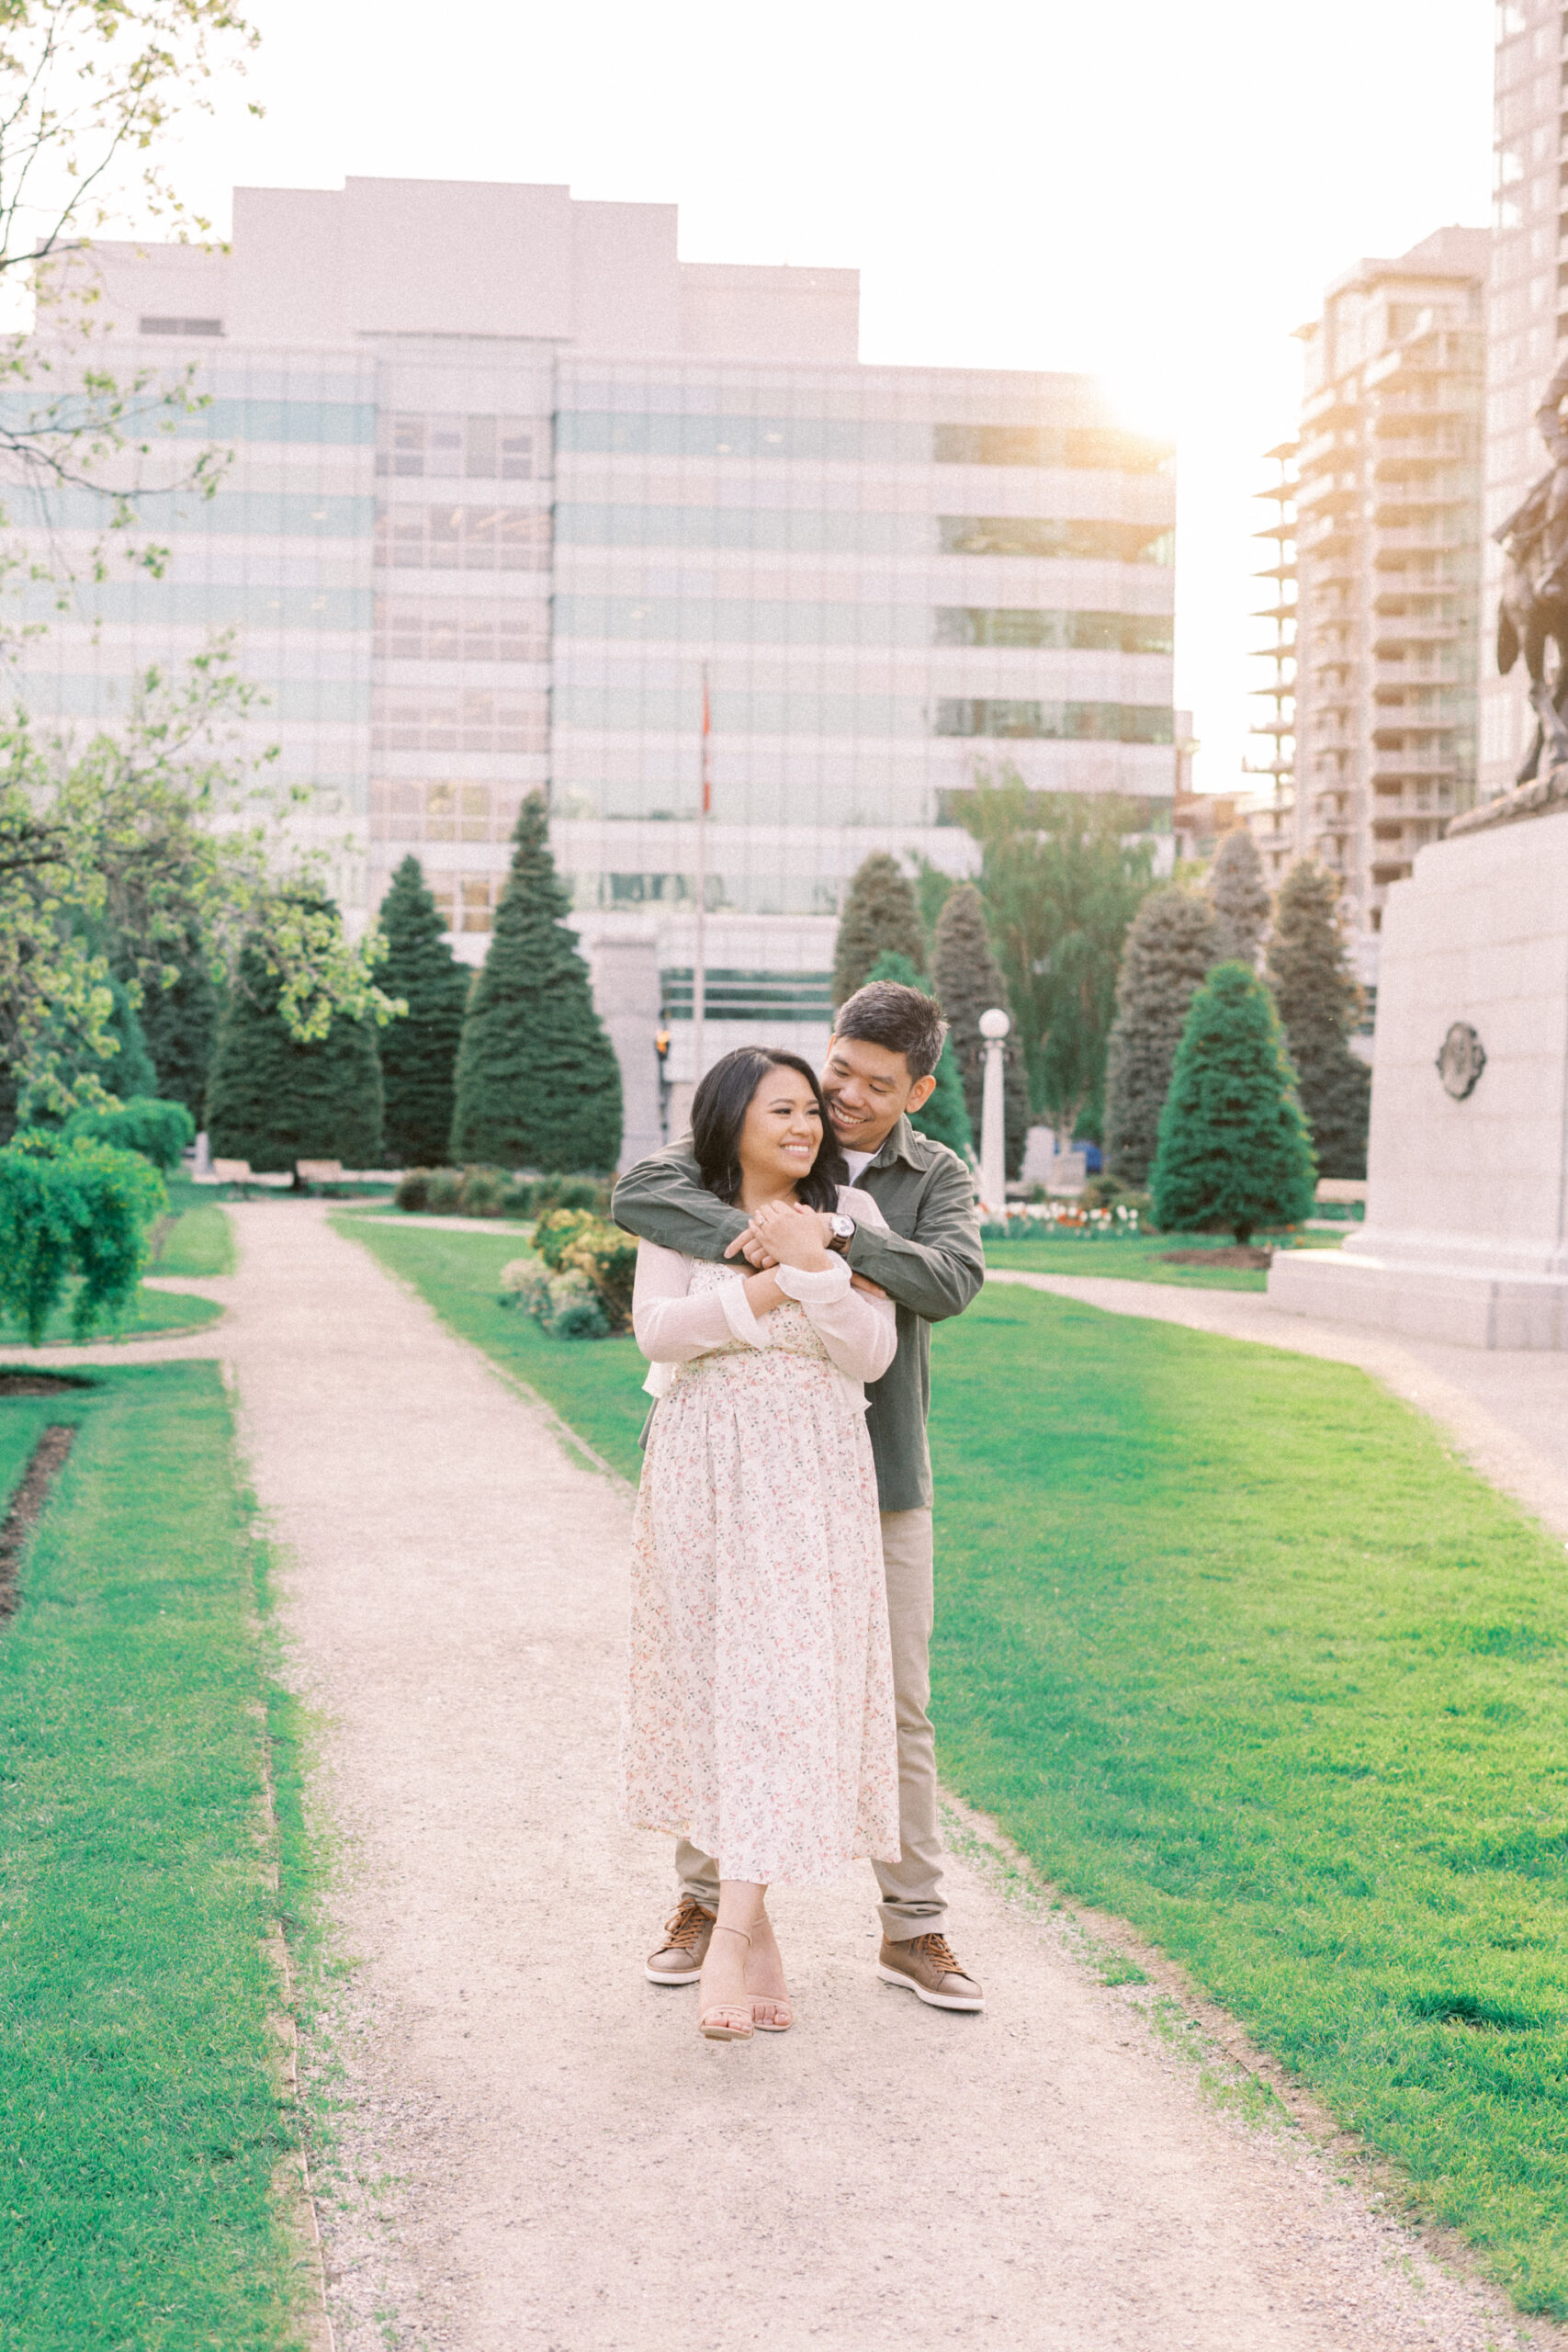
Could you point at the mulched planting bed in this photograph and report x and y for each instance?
(1238, 1253)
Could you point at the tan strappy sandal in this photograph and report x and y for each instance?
(728, 2021)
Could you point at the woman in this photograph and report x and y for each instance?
(760, 1715)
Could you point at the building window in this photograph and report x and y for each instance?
(1093, 632)
(731, 995)
(1040, 535)
(462, 538)
(410, 629)
(1093, 722)
(470, 719)
(476, 448)
(1098, 446)
(466, 902)
(443, 812)
(181, 326)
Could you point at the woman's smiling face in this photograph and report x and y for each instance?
(782, 1133)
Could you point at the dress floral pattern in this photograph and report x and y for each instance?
(759, 1717)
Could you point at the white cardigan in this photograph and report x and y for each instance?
(859, 1332)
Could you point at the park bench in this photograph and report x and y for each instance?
(319, 1172)
(233, 1171)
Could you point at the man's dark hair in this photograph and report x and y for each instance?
(907, 1022)
(719, 1114)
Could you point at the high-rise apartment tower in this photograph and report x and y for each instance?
(1387, 551)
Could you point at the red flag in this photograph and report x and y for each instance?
(707, 730)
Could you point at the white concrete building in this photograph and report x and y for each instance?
(509, 473)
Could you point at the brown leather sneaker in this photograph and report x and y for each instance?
(679, 1960)
(926, 1967)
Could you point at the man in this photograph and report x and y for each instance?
(880, 1070)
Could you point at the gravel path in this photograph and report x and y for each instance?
(539, 2154)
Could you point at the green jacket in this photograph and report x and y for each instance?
(931, 1263)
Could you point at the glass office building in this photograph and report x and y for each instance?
(509, 479)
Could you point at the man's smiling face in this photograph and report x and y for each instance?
(868, 1088)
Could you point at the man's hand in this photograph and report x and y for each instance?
(872, 1290)
(755, 1249)
(793, 1233)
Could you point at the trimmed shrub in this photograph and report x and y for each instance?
(881, 916)
(419, 1054)
(946, 1115)
(1234, 1147)
(1169, 948)
(162, 1132)
(1239, 897)
(968, 980)
(557, 1229)
(274, 1101)
(539, 1084)
(70, 1206)
(607, 1257)
(565, 1304)
(1320, 1005)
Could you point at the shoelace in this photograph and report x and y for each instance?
(938, 1949)
(687, 1925)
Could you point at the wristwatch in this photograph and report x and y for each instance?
(843, 1230)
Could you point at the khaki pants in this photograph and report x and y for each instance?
(913, 1901)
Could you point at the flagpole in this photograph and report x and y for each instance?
(699, 965)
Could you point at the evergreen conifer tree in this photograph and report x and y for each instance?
(945, 1116)
(1239, 897)
(180, 1022)
(1319, 1005)
(1169, 947)
(539, 1085)
(1234, 1148)
(272, 1101)
(419, 1054)
(968, 980)
(881, 913)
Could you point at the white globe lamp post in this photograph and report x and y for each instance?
(994, 1027)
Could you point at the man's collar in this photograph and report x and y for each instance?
(897, 1144)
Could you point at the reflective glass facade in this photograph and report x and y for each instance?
(468, 559)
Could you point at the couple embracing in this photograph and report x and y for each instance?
(793, 1253)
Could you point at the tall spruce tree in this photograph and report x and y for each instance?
(968, 980)
(419, 1054)
(273, 1100)
(539, 1085)
(1320, 1005)
(944, 1116)
(881, 915)
(1239, 897)
(180, 1021)
(1234, 1148)
(1169, 948)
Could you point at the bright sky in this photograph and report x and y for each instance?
(1156, 189)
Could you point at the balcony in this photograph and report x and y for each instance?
(1403, 767)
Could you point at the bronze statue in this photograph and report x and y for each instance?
(1532, 616)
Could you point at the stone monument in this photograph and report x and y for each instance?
(1466, 1234)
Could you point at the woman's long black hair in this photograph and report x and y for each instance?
(719, 1114)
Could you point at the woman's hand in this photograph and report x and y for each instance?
(793, 1234)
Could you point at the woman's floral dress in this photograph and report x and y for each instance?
(759, 1718)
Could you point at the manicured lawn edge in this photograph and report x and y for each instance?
(153, 2167)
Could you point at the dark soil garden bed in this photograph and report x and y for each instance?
(1235, 1253)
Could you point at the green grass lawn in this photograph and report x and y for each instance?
(149, 1312)
(1137, 1257)
(1234, 1648)
(594, 1384)
(197, 1240)
(140, 2116)
(1230, 1644)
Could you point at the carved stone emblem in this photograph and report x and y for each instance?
(1461, 1061)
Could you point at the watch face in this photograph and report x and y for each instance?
(842, 1226)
